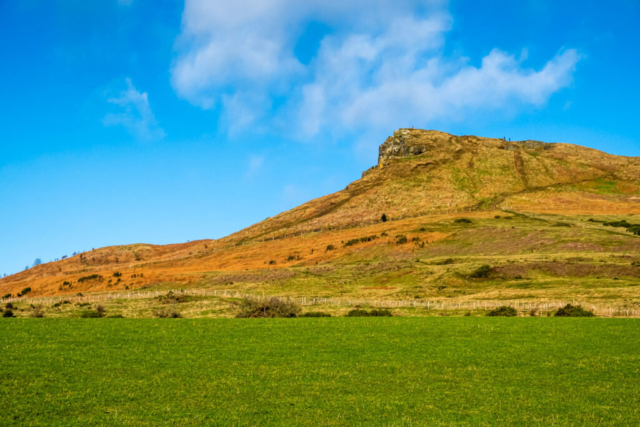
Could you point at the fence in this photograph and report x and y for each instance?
(439, 305)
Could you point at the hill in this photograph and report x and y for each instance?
(551, 221)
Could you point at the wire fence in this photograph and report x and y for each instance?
(428, 304)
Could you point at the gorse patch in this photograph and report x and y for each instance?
(88, 278)
(573, 311)
(269, 308)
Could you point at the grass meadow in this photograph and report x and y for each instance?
(335, 371)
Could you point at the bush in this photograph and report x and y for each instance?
(8, 313)
(6, 296)
(270, 308)
(171, 298)
(481, 272)
(90, 314)
(573, 311)
(167, 313)
(315, 314)
(330, 248)
(383, 218)
(117, 274)
(92, 277)
(401, 239)
(446, 261)
(462, 221)
(100, 309)
(358, 312)
(24, 292)
(503, 311)
(383, 312)
(9, 306)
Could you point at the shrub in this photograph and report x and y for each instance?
(171, 298)
(167, 313)
(58, 304)
(117, 274)
(384, 234)
(383, 218)
(481, 272)
(383, 312)
(446, 261)
(315, 314)
(92, 277)
(330, 248)
(100, 309)
(6, 296)
(293, 258)
(8, 306)
(358, 312)
(8, 313)
(272, 262)
(503, 311)
(573, 311)
(24, 292)
(90, 314)
(401, 239)
(423, 229)
(462, 221)
(270, 308)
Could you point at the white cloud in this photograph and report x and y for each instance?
(134, 113)
(382, 65)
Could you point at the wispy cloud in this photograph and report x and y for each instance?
(134, 113)
(255, 164)
(382, 65)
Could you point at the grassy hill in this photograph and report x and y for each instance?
(551, 221)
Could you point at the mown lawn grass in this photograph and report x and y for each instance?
(336, 371)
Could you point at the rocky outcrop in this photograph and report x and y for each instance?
(413, 142)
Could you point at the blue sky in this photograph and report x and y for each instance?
(127, 121)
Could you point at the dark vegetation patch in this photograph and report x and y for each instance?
(24, 292)
(447, 261)
(315, 314)
(358, 312)
(361, 240)
(8, 313)
(573, 311)
(481, 272)
(171, 298)
(401, 239)
(462, 221)
(503, 311)
(167, 313)
(89, 278)
(91, 314)
(269, 308)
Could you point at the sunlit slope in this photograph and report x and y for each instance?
(423, 182)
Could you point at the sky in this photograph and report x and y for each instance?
(140, 121)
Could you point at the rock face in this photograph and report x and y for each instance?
(411, 142)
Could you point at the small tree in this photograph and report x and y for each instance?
(383, 218)
(37, 262)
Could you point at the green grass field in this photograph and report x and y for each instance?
(337, 371)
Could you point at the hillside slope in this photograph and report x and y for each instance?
(558, 198)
